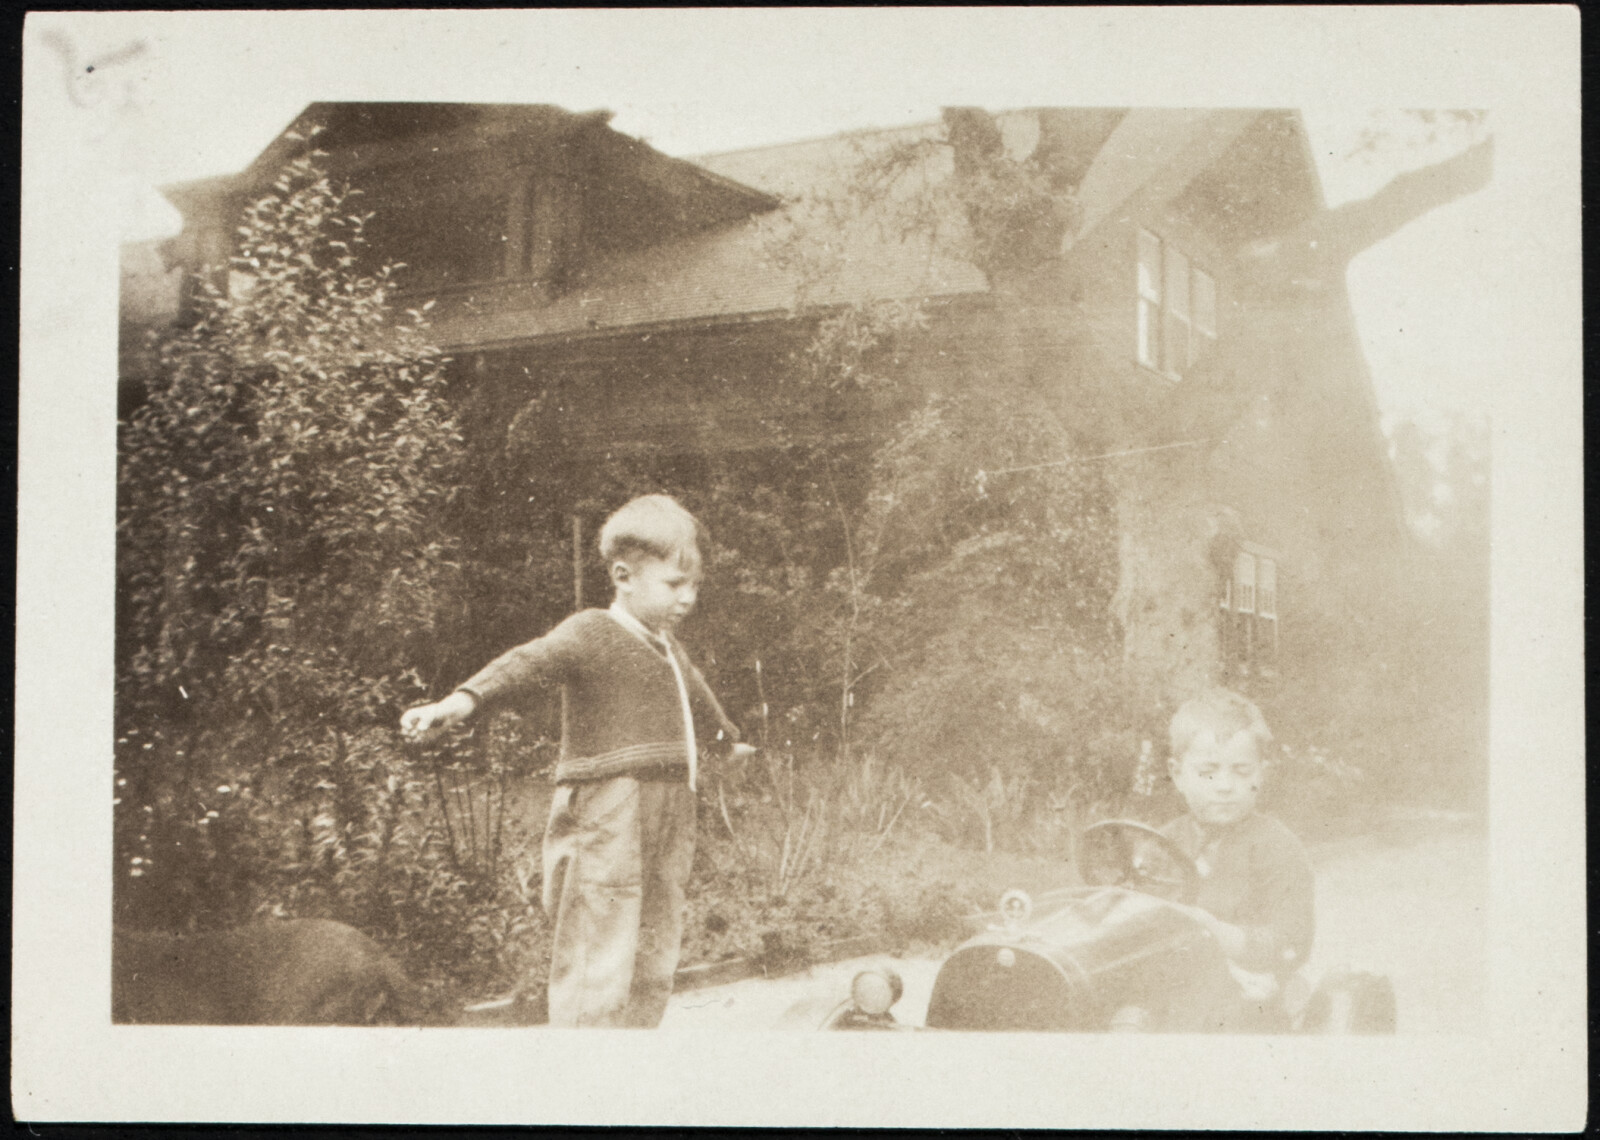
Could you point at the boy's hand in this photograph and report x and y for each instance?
(742, 751)
(426, 723)
(1230, 938)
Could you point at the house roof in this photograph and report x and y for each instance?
(742, 270)
(741, 258)
(1152, 156)
(1265, 181)
(1124, 159)
(360, 137)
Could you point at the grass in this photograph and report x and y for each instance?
(799, 856)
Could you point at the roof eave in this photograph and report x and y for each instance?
(187, 196)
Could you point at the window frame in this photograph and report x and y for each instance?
(1196, 328)
(1249, 621)
(1147, 288)
(1159, 317)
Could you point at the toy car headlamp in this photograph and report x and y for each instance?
(874, 992)
(1016, 907)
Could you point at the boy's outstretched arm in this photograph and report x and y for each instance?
(545, 660)
(426, 722)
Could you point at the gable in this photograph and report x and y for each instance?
(461, 191)
(1264, 183)
(734, 270)
(731, 271)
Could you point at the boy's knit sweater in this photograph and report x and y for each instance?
(624, 714)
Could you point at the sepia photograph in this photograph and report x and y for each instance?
(941, 566)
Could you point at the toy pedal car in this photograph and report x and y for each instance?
(1115, 955)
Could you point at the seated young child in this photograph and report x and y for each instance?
(1256, 889)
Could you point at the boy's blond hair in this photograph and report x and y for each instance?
(656, 526)
(1224, 712)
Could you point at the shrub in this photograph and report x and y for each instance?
(283, 576)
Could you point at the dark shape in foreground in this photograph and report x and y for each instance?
(306, 971)
(1116, 955)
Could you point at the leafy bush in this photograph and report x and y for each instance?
(283, 576)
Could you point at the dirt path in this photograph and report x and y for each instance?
(1410, 902)
(1407, 901)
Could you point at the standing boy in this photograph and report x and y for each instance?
(620, 840)
(1256, 888)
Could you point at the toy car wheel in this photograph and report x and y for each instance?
(1125, 853)
(872, 994)
(847, 1016)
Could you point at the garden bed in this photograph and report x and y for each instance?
(906, 890)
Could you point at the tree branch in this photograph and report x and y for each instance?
(1357, 226)
(1323, 246)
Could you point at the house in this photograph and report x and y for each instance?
(572, 266)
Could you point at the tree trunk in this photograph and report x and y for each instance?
(1166, 599)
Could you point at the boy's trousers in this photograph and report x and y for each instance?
(617, 855)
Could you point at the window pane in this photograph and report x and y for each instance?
(1149, 266)
(1149, 330)
(1175, 335)
(448, 241)
(1175, 358)
(553, 221)
(1177, 282)
(1267, 588)
(1244, 583)
(1205, 303)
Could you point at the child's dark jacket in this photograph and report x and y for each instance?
(1256, 876)
(625, 716)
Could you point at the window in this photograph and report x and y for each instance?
(1175, 333)
(443, 239)
(464, 241)
(1177, 315)
(1249, 616)
(552, 224)
(1149, 300)
(451, 235)
(1205, 311)
(1244, 579)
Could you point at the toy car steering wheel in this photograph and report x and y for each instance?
(1123, 853)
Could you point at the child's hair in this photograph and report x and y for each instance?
(1224, 712)
(653, 525)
